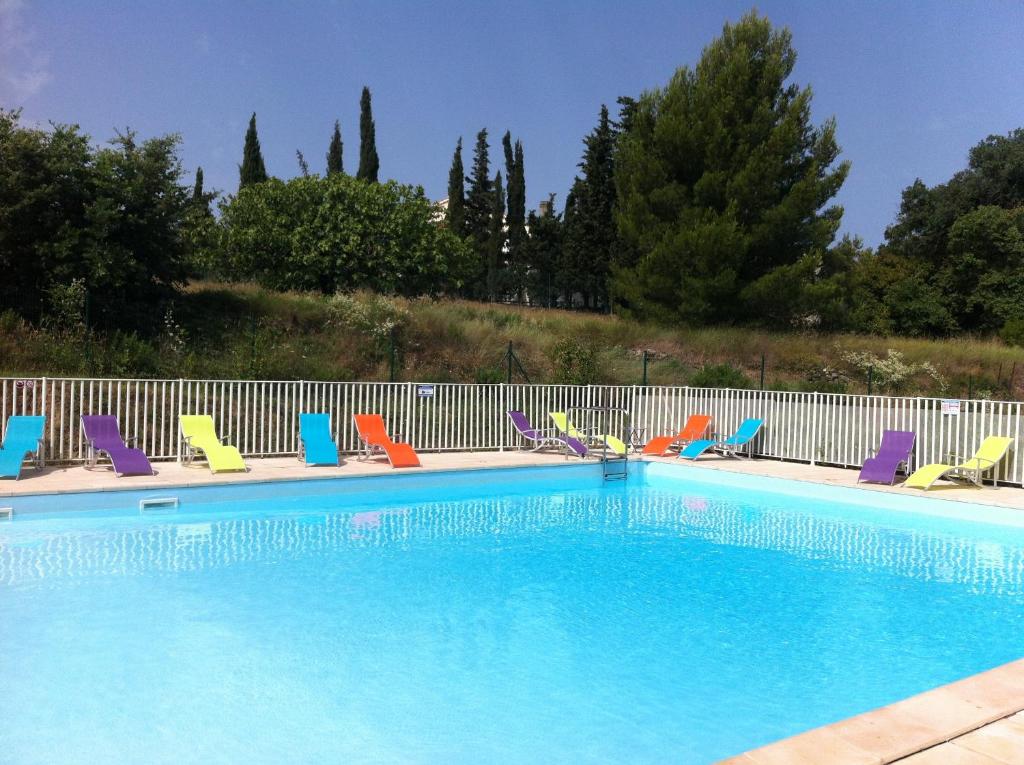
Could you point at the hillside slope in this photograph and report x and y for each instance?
(241, 331)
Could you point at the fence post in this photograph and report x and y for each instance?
(46, 441)
(762, 371)
(391, 337)
(509, 357)
(174, 425)
(870, 371)
(645, 368)
(815, 435)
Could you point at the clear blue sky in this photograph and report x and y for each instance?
(913, 85)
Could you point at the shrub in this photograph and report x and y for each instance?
(575, 362)
(1012, 332)
(719, 376)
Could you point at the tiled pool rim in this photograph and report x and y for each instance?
(902, 731)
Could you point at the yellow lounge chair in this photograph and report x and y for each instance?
(200, 435)
(562, 425)
(989, 454)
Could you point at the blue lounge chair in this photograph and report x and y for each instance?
(24, 437)
(316, 447)
(727, 447)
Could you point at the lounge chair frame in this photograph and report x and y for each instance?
(92, 452)
(368, 451)
(189, 452)
(974, 475)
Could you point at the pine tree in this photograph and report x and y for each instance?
(369, 164)
(723, 180)
(252, 169)
(456, 214)
(496, 241)
(303, 165)
(334, 163)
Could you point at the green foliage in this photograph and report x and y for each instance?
(369, 163)
(718, 376)
(542, 252)
(722, 179)
(591, 236)
(575, 362)
(959, 246)
(496, 241)
(456, 212)
(252, 170)
(514, 255)
(334, 151)
(1012, 332)
(200, 232)
(340, 233)
(110, 217)
(479, 205)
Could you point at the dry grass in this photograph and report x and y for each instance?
(246, 331)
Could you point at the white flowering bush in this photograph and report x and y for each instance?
(375, 315)
(893, 372)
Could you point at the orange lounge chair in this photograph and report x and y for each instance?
(375, 439)
(695, 428)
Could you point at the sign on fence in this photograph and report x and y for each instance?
(425, 391)
(951, 407)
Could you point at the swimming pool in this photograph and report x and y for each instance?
(528, 615)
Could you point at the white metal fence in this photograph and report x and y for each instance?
(261, 417)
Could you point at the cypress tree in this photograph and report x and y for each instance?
(506, 145)
(516, 222)
(197, 190)
(334, 163)
(456, 214)
(303, 165)
(542, 255)
(369, 163)
(496, 241)
(591, 234)
(479, 199)
(252, 169)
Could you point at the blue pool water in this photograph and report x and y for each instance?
(499, 616)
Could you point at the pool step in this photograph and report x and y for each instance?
(6, 513)
(158, 503)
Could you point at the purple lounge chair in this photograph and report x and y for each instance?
(102, 434)
(893, 452)
(543, 438)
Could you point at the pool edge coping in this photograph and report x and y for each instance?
(905, 728)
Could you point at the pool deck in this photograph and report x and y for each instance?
(60, 480)
(978, 720)
(975, 721)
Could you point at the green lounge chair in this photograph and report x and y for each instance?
(200, 435)
(989, 454)
(563, 426)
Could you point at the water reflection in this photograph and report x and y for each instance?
(28, 556)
